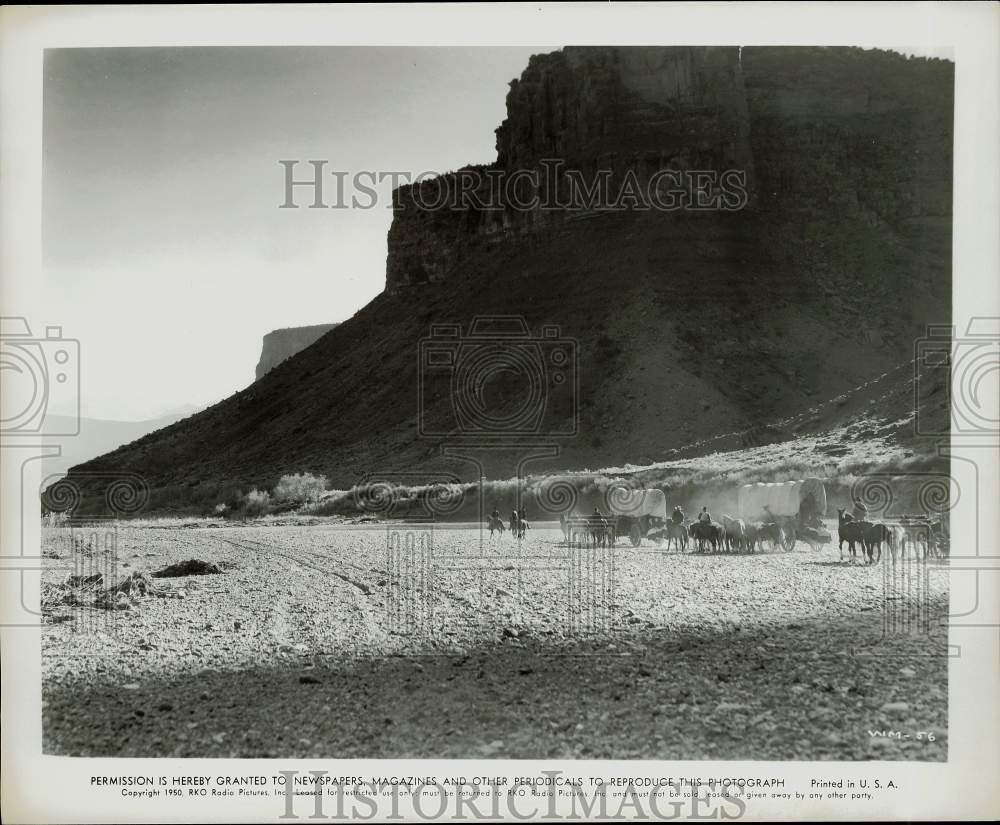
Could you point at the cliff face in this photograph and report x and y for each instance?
(282, 344)
(625, 112)
(864, 133)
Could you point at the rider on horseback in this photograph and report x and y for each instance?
(677, 517)
(704, 516)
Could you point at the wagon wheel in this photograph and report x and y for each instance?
(635, 535)
(788, 538)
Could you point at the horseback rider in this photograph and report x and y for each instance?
(704, 516)
(495, 515)
(677, 517)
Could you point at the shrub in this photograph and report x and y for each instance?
(300, 488)
(55, 519)
(256, 502)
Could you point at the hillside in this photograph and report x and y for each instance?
(686, 324)
(96, 437)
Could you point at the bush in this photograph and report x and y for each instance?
(256, 502)
(55, 519)
(300, 488)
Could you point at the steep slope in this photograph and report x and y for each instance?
(96, 437)
(686, 324)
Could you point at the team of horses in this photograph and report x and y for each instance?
(736, 535)
(595, 529)
(916, 533)
(732, 535)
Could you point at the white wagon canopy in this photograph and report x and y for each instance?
(623, 501)
(781, 499)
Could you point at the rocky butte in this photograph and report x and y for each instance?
(690, 325)
(281, 344)
(643, 110)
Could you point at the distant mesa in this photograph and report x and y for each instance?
(282, 344)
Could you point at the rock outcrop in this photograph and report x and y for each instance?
(282, 344)
(859, 131)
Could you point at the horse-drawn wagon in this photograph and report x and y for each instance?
(638, 514)
(797, 507)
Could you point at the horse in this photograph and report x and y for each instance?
(917, 532)
(851, 531)
(592, 529)
(522, 527)
(496, 525)
(895, 541)
(938, 543)
(705, 533)
(769, 531)
(735, 533)
(678, 534)
(599, 529)
(875, 535)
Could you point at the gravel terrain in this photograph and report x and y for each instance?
(357, 641)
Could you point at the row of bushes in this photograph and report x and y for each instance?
(911, 484)
(291, 492)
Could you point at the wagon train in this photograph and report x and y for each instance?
(796, 507)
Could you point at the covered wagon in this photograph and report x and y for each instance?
(637, 512)
(796, 506)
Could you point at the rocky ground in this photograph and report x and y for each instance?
(399, 641)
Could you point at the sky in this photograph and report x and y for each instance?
(164, 249)
(165, 252)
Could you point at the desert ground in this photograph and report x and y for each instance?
(409, 640)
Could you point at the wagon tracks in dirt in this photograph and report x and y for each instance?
(326, 561)
(362, 626)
